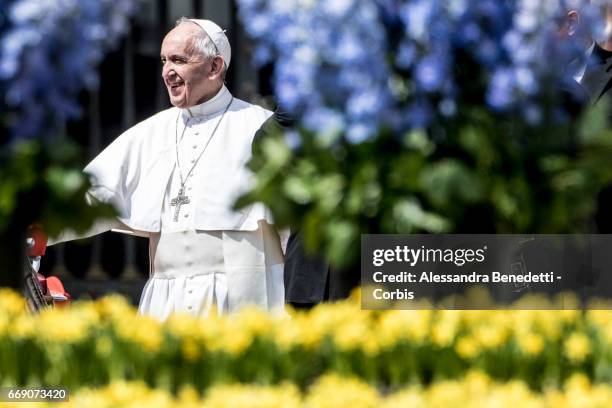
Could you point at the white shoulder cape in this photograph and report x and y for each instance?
(133, 171)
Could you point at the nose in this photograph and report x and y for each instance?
(167, 70)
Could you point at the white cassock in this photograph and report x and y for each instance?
(211, 254)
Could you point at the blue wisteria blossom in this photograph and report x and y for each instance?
(356, 66)
(49, 52)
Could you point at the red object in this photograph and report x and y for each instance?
(55, 289)
(36, 232)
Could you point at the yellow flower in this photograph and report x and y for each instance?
(252, 396)
(104, 345)
(190, 332)
(256, 321)
(577, 347)
(144, 331)
(445, 328)
(227, 335)
(448, 394)
(512, 394)
(531, 343)
(68, 325)
(355, 296)
(120, 394)
(577, 381)
(391, 328)
(399, 325)
(182, 325)
(24, 327)
(11, 303)
(602, 320)
(188, 396)
(549, 324)
(334, 391)
(467, 347)
(411, 397)
(324, 319)
(578, 393)
(113, 306)
(288, 333)
(490, 336)
(355, 333)
(190, 349)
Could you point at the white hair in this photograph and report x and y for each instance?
(204, 44)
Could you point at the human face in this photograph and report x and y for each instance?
(189, 77)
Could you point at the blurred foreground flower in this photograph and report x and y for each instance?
(356, 66)
(94, 343)
(425, 116)
(49, 53)
(474, 391)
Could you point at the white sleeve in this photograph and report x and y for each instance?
(100, 226)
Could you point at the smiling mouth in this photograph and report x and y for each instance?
(176, 85)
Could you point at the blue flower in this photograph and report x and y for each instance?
(367, 102)
(337, 8)
(325, 121)
(447, 107)
(430, 72)
(406, 55)
(349, 48)
(403, 64)
(292, 138)
(416, 17)
(49, 52)
(500, 93)
(360, 132)
(419, 114)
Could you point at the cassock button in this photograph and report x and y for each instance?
(193, 161)
(190, 291)
(195, 146)
(197, 133)
(189, 307)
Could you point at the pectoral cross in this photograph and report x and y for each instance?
(179, 200)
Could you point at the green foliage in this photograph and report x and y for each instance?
(44, 181)
(475, 175)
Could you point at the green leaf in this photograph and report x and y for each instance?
(65, 182)
(343, 237)
(276, 152)
(448, 180)
(410, 217)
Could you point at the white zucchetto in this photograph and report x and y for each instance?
(218, 37)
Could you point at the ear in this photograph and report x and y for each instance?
(572, 19)
(216, 67)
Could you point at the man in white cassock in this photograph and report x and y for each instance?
(174, 178)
